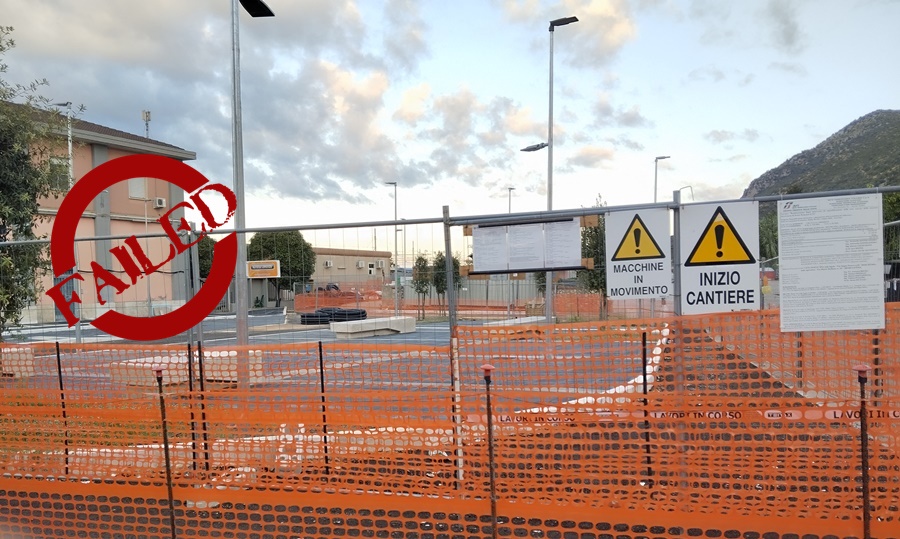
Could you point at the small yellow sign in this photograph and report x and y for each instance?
(637, 243)
(264, 269)
(719, 244)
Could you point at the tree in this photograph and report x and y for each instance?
(298, 261)
(439, 276)
(205, 253)
(29, 137)
(421, 281)
(891, 207)
(768, 237)
(593, 246)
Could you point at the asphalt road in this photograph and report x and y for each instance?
(266, 327)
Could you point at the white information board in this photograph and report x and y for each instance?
(553, 245)
(562, 244)
(719, 249)
(638, 262)
(490, 253)
(832, 263)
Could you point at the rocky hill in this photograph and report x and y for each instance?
(866, 153)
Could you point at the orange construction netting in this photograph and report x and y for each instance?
(702, 426)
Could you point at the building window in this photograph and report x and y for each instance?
(59, 173)
(371, 268)
(137, 188)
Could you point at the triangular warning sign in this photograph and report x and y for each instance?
(637, 243)
(719, 244)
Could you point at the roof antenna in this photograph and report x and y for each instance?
(145, 114)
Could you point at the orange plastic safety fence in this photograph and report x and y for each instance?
(713, 426)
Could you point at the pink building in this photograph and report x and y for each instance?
(125, 209)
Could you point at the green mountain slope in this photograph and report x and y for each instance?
(866, 153)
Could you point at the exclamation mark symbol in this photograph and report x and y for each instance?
(720, 235)
(637, 241)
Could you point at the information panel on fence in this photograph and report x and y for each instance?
(832, 263)
(529, 247)
(720, 249)
(638, 260)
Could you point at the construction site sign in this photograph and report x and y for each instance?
(263, 269)
(719, 244)
(831, 244)
(638, 261)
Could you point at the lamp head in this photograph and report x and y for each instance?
(661, 157)
(257, 8)
(534, 147)
(562, 22)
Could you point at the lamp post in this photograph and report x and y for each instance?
(549, 145)
(655, 171)
(256, 8)
(71, 175)
(508, 279)
(688, 187)
(396, 260)
(655, 176)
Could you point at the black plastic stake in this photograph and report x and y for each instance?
(190, 362)
(203, 425)
(165, 433)
(62, 401)
(646, 413)
(862, 372)
(487, 368)
(324, 416)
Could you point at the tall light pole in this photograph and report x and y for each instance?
(396, 260)
(71, 173)
(548, 294)
(508, 279)
(256, 8)
(655, 170)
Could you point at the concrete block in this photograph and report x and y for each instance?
(17, 362)
(373, 326)
(222, 365)
(142, 371)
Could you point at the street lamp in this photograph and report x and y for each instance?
(549, 280)
(71, 174)
(655, 170)
(256, 8)
(688, 187)
(509, 191)
(396, 261)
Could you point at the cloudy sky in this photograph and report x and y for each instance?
(340, 96)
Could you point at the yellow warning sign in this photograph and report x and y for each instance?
(637, 243)
(719, 244)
